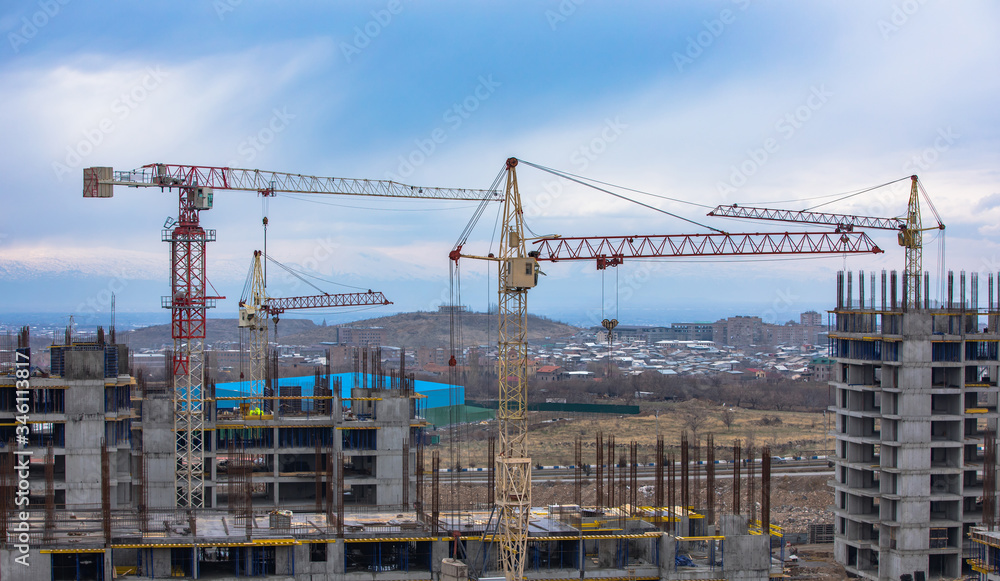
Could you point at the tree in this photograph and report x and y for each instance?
(728, 417)
(694, 413)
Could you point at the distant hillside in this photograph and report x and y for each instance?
(410, 330)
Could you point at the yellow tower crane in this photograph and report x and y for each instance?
(518, 272)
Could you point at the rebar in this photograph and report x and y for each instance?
(658, 479)
(752, 487)
(685, 475)
(599, 501)
(435, 492)
(710, 480)
(765, 491)
(633, 477)
(737, 460)
(578, 471)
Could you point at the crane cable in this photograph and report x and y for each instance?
(645, 193)
(580, 181)
(930, 203)
(464, 236)
(455, 327)
(296, 274)
(857, 193)
(247, 284)
(373, 208)
(454, 334)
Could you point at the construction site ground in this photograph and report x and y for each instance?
(552, 435)
(797, 501)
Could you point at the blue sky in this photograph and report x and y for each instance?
(671, 98)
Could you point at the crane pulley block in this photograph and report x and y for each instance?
(522, 273)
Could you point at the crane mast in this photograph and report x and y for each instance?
(253, 317)
(188, 304)
(517, 273)
(189, 300)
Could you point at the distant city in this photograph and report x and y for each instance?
(743, 347)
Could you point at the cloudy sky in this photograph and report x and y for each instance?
(705, 102)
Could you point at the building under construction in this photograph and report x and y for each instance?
(915, 398)
(326, 486)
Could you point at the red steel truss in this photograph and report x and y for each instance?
(613, 250)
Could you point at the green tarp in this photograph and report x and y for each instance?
(459, 414)
(579, 408)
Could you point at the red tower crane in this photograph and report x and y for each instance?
(518, 272)
(189, 300)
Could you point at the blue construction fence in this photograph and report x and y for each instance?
(436, 394)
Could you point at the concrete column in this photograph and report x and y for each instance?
(439, 552)
(668, 548)
(284, 557)
(84, 425)
(335, 557)
(161, 563)
(39, 565)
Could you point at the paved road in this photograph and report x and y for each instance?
(801, 468)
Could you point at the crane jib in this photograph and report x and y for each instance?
(617, 248)
(98, 182)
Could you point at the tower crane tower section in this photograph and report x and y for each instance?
(188, 300)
